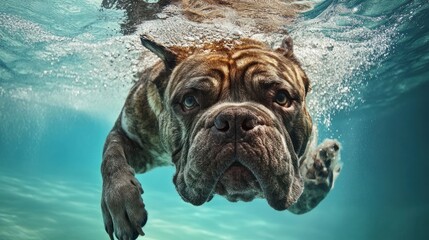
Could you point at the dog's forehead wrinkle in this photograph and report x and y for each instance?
(267, 70)
(209, 66)
(242, 57)
(293, 74)
(271, 64)
(232, 71)
(267, 82)
(290, 73)
(203, 83)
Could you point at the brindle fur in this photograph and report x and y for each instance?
(266, 150)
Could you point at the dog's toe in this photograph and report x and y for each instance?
(123, 209)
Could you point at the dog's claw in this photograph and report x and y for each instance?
(111, 236)
(110, 232)
(140, 231)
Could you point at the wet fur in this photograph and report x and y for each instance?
(153, 130)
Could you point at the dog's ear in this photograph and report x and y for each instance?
(169, 57)
(286, 48)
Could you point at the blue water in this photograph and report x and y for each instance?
(65, 68)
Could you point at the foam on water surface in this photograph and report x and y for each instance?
(93, 74)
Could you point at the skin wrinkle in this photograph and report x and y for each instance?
(199, 75)
(275, 66)
(265, 138)
(208, 165)
(255, 190)
(233, 89)
(247, 71)
(248, 61)
(249, 151)
(297, 76)
(267, 57)
(260, 176)
(222, 73)
(240, 67)
(196, 139)
(290, 75)
(201, 83)
(299, 79)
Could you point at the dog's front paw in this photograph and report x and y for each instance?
(123, 208)
(319, 169)
(324, 165)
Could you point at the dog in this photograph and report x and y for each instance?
(231, 117)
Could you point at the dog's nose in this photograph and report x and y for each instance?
(235, 121)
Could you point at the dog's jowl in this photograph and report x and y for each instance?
(231, 117)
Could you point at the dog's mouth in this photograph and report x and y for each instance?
(265, 166)
(238, 183)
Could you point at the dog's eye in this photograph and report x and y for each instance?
(189, 102)
(281, 98)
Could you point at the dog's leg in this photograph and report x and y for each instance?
(122, 206)
(319, 169)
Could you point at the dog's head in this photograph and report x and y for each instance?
(235, 119)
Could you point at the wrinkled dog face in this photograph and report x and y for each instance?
(240, 124)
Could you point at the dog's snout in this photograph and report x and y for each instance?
(234, 121)
(248, 123)
(222, 123)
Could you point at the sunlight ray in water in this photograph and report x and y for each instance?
(55, 204)
(34, 208)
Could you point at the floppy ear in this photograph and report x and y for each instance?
(167, 56)
(286, 48)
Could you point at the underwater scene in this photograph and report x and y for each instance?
(66, 68)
